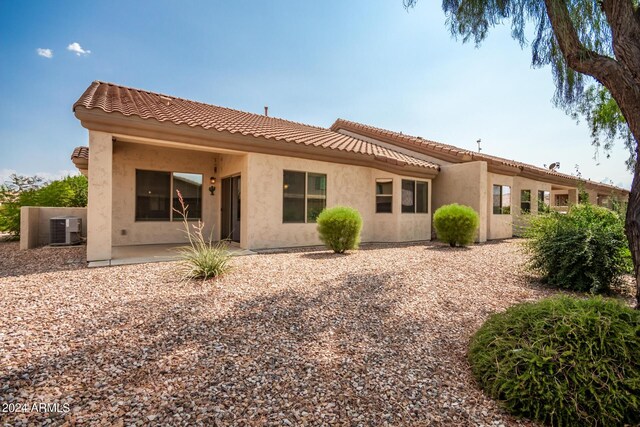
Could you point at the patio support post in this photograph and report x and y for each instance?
(99, 210)
(573, 196)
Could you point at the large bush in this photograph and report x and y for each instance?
(339, 228)
(456, 224)
(563, 361)
(19, 191)
(583, 250)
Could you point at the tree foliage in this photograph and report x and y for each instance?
(593, 49)
(578, 94)
(19, 191)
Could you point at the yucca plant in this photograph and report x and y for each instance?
(202, 258)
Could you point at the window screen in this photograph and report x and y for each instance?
(153, 195)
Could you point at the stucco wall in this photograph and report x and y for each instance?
(346, 185)
(500, 226)
(100, 195)
(519, 184)
(127, 157)
(34, 223)
(466, 184)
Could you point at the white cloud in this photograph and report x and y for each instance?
(47, 53)
(75, 47)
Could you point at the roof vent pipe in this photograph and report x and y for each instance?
(266, 111)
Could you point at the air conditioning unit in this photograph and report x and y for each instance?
(65, 230)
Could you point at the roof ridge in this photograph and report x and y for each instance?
(515, 163)
(405, 135)
(208, 104)
(128, 101)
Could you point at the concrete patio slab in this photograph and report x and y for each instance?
(142, 254)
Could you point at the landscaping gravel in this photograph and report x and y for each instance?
(376, 337)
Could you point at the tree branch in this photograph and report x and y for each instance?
(625, 31)
(578, 57)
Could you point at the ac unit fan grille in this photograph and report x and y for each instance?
(58, 231)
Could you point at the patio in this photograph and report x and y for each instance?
(142, 254)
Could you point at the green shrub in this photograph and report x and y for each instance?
(563, 361)
(202, 258)
(456, 224)
(339, 228)
(583, 250)
(19, 191)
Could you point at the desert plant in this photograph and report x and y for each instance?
(339, 228)
(582, 250)
(563, 361)
(456, 224)
(202, 258)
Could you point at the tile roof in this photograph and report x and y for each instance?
(435, 149)
(417, 141)
(80, 153)
(112, 98)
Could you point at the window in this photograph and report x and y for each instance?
(562, 200)
(304, 196)
(544, 200)
(156, 195)
(501, 199)
(384, 195)
(525, 201)
(415, 196)
(316, 195)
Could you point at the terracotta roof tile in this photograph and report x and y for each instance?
(80, 153)
(112, 98)
(429, 147)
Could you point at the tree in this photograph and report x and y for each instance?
(593, 48)
(19, 191)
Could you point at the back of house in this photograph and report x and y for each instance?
(261, 181)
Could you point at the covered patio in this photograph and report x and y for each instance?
(142, 254)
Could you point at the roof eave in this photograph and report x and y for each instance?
(117, 123)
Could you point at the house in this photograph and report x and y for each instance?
(261, 181)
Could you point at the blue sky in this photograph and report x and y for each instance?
(312, 62)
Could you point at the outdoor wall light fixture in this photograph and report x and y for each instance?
(212, 187)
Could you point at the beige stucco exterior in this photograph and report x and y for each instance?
(466, 184)
(261, 197)
(520, 219)
(119, 145)
(499, 226)
(112, 199)
(129, 157)
(352, 186)
(99, 208)
(35, 226)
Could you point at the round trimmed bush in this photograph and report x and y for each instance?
(456, 224)
(563, 361)
(339, 228)
(583, 250)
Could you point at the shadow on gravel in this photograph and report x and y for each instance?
(447, 248)
(324, 255)
(340, 350)
(16, 262)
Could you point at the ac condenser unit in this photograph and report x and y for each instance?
(65, 230)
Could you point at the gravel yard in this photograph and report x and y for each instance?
(376, 337)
